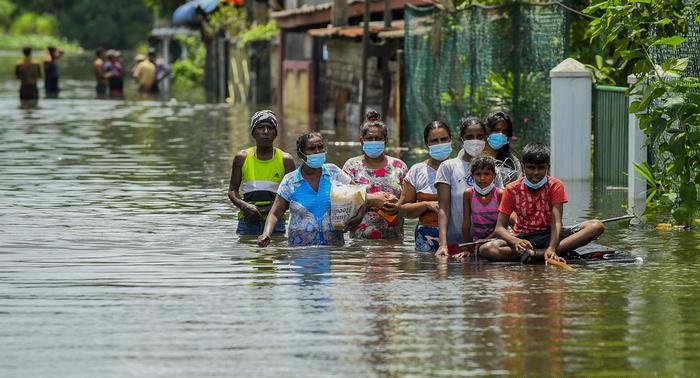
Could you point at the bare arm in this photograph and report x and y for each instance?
(408, 205)
(288, 162)
(235, 182)
(374, 200)
(444, 203)
(250, 212)
(520, 245)
(551, 251)
(278, 208)
(467, 221)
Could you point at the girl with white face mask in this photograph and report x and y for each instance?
(500, 131)
(481, 202)
(419, 197)
(452, 179)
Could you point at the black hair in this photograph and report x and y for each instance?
(434, 126)
(536, 153)
(301, 141)
(367, 125)
(483, 162)
(52, 51)
(372, 115)
(504, 153)
(464, 123)
(99, 51)
(27, 50)
(497, 117)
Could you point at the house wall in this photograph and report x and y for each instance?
(342, 85)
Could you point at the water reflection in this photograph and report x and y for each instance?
(117, 244)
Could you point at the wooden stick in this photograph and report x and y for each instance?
(478, 242)
(560, 264)
(484, 241)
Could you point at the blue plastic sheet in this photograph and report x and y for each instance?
(186, 14)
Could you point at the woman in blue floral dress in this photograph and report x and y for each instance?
(306, 192)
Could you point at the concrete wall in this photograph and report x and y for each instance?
(570, 136)
(342, 89)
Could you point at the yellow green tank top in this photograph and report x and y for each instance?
(261, 178)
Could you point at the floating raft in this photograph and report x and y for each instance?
(593, 253)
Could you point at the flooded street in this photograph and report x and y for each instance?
(118, 258)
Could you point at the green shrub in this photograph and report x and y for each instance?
(6, 10)
(38, 42)
(259, 32)
(32, 23)
(190, 71)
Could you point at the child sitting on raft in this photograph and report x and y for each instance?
(538, 203)
(481, 202)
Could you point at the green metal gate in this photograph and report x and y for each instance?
(610, 118)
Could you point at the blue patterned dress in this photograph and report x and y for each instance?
(310, 211)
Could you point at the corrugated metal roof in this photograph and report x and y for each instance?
(357, 30)
(304, 9)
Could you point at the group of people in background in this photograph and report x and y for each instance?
(28, 71)
(484, 201)
(148, 72)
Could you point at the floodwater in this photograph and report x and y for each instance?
(118, 258)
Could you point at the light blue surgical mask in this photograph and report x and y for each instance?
(373, 148)
(316, 160)
(484, 191)
(537, 185)
(497, 141)
(440, 151)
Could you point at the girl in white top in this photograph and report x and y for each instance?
(419, 196)
(452, 179)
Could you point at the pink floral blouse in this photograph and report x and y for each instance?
(387, 179)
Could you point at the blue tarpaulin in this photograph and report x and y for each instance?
(186, 14)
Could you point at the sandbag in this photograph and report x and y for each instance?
(345, 201)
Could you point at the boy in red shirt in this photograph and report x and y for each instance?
(538, 202)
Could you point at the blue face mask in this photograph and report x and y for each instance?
(536, 186)
(316, 160)
(373, 149)
(484, 191)
(440, 151)
(497, 141)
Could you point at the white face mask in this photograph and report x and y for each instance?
(474, 147)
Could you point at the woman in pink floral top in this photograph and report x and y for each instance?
(381, 173)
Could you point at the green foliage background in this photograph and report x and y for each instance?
(119, 24)
(667, 98)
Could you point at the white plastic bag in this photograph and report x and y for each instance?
(345, 201)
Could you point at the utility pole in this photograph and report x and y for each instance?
(365, 56)
(339, 13)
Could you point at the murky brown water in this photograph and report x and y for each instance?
(118, 258)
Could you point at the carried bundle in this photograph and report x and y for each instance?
(345, 201)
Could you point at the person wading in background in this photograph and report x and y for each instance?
(27, 71)
(98, 70)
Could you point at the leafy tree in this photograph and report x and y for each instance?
(164, 8)
(668, 102)
(7, 8)
(115, 23)
(32, 23)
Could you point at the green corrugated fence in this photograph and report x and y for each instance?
(610, 118)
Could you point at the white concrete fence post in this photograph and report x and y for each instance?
(636, 153)
(571, 118)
